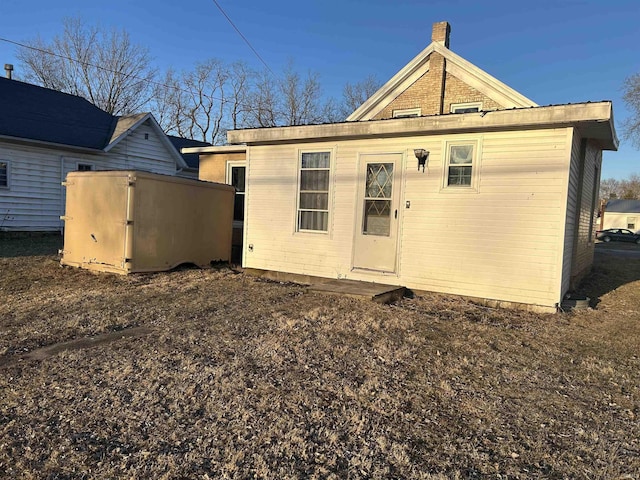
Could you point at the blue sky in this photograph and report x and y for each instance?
(551, 51)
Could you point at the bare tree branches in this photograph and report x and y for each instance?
(120, 86)
(628, 188)
(355, 94)
(116, 75)
(632, 98)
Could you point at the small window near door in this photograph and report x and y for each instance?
(460, 162)
(4, 174)
(237, 179)
(313, 192)
(466, 107)
(85, 167)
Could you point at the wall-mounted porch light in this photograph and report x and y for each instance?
(423, 157)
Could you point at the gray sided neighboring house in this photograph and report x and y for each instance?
(45, 134)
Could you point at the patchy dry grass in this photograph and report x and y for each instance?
(244, 378)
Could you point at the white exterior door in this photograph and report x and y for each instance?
(377, 210)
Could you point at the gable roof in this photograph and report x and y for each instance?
(623, 206)
(192, 159)
(455, 65)
(37, 114)
(45, 115)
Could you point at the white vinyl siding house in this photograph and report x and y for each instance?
(514, 251)
(444, 180)
(34, 199)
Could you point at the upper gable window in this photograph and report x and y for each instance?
(466, 107)
(85, 167)
(4, 174)
(407, 112)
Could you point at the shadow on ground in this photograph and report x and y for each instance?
(614, 265)
(27, 245)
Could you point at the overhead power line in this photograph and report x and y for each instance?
(128, 75)
(243, 37)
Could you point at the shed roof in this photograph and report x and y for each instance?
(623, 206)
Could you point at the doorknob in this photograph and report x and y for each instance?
(396, 214)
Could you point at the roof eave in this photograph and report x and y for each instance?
(216, 149)
(45, 144)
(596, 120)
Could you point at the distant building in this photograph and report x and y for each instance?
(620, 213)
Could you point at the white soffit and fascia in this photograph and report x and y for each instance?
(456, 66)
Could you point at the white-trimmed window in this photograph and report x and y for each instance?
(313, 191)
(407, 112)
(4, 174)
(632, 222)
(236, 172)
(461, 165)
(466, 107)
(85, 167)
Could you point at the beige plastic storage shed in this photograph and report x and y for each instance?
(132, 221)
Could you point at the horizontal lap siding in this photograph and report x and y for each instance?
(137, 153)
(584, 247)
(35, 199)
(570, 219)
(271, 216)
(503, 243)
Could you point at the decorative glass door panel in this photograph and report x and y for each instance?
(377, 200)
(375, 246)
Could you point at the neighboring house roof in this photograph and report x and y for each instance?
(37, 114)
(623, 206)
(192, 159)
(454, 64)
(42, 114)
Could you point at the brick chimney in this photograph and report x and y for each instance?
(441, 32)
(437, 68)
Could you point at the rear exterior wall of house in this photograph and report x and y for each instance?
(501, 240)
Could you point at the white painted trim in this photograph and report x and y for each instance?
(216, 149)
(407, 112)
(456, 66)
(402, 80)
(595, 119)
(332, 161)
(481, 80)
(463, 106)
(180, 162)
(227, 177)
(476, 162)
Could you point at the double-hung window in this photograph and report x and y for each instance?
(313, 192)
(461, 164)
(4, 174)
(237, 179)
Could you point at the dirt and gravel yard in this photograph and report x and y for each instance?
(229, 376)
